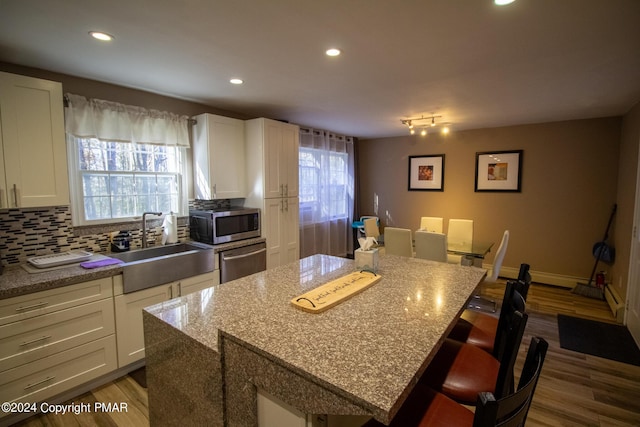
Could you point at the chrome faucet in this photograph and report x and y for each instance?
(144, 226)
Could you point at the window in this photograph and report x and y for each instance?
(118, 181)
(323, 177)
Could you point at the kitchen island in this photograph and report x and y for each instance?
(209, 353)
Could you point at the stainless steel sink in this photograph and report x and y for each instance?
(145, 268)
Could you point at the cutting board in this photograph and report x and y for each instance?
(326, 296)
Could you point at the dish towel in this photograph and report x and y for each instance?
(100, 263)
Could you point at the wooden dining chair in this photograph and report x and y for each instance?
(479, 329)
(427, 408)
(432, 246)
(397, 241)
(461, 370)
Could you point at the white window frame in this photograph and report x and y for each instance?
(77, 194)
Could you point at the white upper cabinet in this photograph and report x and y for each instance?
(34, 165)
(272, 153)
(218, 158)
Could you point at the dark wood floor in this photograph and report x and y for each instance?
(574, 390)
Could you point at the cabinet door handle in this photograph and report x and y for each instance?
(45, 337)
(32, 307)
(179, 288)
(39, 382)
(286, 189)
(286, 205)
(170, 292)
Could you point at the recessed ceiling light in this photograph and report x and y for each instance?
(333, 52)
(101, 36)
(236, 81)
(503, 2)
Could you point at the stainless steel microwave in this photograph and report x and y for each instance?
(224, 225)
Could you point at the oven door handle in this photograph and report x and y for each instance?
(231, 258)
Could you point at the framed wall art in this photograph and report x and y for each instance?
(426, 173)
(499, 171)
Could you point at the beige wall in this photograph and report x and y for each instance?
(569, 185)
(627, 177)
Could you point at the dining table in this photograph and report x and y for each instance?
(473, 252)
(211, 354)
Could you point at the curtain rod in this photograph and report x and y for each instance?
(65, 102)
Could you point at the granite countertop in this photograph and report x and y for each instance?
(369, 349)
(15, 280)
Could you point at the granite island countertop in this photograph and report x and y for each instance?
(15, 280)
(368, 350)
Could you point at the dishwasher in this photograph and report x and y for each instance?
(242, 261)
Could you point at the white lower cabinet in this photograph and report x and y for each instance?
(55, 340)
(273, 412)
(197, 283)
(280, 227)
(41, 336)
(129, 329)
(129, 320)
(46, 377)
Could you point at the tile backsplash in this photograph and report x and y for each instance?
(25, 233)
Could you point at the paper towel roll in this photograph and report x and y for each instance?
(170, 229)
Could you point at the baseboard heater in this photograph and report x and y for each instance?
(615, 303)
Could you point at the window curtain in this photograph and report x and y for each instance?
(111, 121)
(326, 193)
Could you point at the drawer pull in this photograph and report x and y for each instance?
(39, 382)
(45, 337)
(32, 307)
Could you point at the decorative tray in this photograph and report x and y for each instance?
(54, 260)
(332, 293)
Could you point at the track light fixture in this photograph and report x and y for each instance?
(423, 132)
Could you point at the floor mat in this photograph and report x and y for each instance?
(606, 340)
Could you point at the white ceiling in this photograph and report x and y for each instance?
(475, 64)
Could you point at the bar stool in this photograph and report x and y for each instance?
(461, 371)
(426, 407)
(478, 328)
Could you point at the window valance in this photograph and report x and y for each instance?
(112, 121)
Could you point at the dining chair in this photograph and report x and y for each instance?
(371, 228)
(360, 224)
(431, 245)
(459, 232)
(431, 223)
(426, 407)
(397, 241)
(479, 329)
(492, 277)
(461, 371)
